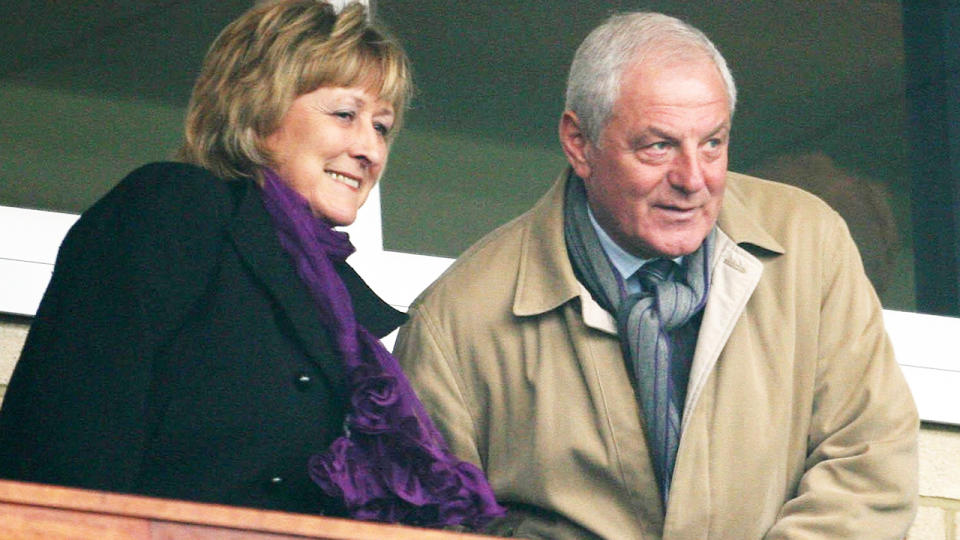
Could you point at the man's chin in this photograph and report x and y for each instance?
(670, 248)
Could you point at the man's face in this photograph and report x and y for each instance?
(655, 181)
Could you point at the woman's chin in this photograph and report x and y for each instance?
(337, 220)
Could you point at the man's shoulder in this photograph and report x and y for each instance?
(761, 196)
(781, 210)
(485, 273)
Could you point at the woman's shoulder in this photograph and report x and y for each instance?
(159, 212)
(162, 185)
(163, 197)
(155, 238)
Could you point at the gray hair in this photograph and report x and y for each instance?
(622, 41)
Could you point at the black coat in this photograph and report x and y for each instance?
(177, 353)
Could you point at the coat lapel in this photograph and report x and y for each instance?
(377, 316)
(253, 235)
(734, 275)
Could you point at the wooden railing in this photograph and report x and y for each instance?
(35, 512)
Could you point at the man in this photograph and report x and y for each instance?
(741, 386)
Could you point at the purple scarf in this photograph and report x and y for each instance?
(392, 464)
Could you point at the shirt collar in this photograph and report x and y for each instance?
(625, 263)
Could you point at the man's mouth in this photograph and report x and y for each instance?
(678, 209)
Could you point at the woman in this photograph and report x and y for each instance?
(202, 337)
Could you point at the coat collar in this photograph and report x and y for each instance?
(372, 312)
(252, 233)
(546, 279)
(740, 223)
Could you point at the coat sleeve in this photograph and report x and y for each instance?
(425, 355)
(76, 410)
(862, 466)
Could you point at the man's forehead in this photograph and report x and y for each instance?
(668, 132)
(696, 67)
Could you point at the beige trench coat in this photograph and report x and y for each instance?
(798, 422)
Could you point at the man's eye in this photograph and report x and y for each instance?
(346, 115)
(659, 146)
(714, 146)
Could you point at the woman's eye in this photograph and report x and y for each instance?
(346, 115)
(382, 129)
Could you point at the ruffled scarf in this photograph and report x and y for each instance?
(391, 464)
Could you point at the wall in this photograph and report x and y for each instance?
(13, 331)
(938, 518)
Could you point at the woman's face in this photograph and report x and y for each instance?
(331, 148)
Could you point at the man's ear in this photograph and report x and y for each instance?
(575, 143)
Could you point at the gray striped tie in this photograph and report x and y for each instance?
(663, 305)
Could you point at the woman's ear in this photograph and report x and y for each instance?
(574, 143)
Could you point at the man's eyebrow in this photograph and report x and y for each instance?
(657, 132)
(652, 132)
(660, 133)
(723, 126)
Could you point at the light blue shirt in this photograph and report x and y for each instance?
(625, 262)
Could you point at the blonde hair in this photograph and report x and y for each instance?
(268, 57)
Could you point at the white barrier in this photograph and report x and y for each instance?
(927, 346)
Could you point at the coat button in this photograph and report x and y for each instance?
(274, 484)
(303, 381)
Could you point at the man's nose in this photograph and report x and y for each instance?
(687, 173)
